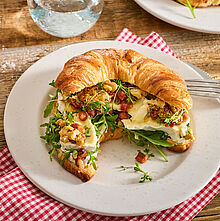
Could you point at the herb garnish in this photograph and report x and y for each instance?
(146, 152)
(146, 176)
(125, 168)
(87, 129)
(174, 118)
(92, 159)
(187, 131)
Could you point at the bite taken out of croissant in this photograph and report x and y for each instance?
(106, 93)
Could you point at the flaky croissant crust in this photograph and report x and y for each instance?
(130, 66)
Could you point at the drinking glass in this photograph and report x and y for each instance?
(65, 18)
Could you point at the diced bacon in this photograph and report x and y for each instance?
(119, 122)
(111, 112)
(185, 117)
(78, 127)
(91, 112)
(121, 95)
(141, 158)
(123, 115)
(154, 114)
(172, 124)
(82, 153)
(83, 116)
(75, 104)
(125, 106)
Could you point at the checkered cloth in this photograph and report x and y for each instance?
(21, 200)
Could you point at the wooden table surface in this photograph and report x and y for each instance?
(22, 43)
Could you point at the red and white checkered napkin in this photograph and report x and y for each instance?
(21, 200)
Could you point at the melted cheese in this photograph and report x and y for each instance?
(90, 142)
(116, 106)
(138, 121)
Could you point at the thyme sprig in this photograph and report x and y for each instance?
(125, 168)
(146, 176)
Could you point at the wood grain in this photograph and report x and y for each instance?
(22, 43)
(18, 29)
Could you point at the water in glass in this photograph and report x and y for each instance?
(65, 18)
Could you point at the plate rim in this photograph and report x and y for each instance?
(176, 23)
(59, 199)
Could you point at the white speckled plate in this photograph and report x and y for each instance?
(111, 191)
(207, 19)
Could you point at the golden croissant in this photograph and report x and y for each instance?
(106, 93)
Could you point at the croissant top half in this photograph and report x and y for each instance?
(130, 66)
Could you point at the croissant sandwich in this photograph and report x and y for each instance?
(106, 93)
(201, 3)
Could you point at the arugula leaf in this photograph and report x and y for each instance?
(105, 119)
(161, 153)
(67, 155)
(70, 117)
(188, 4)
(49, 108)
(156, 137)
(142, 137)
(95, 104)
(111, 121)
(52, 84)
(52, 136)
